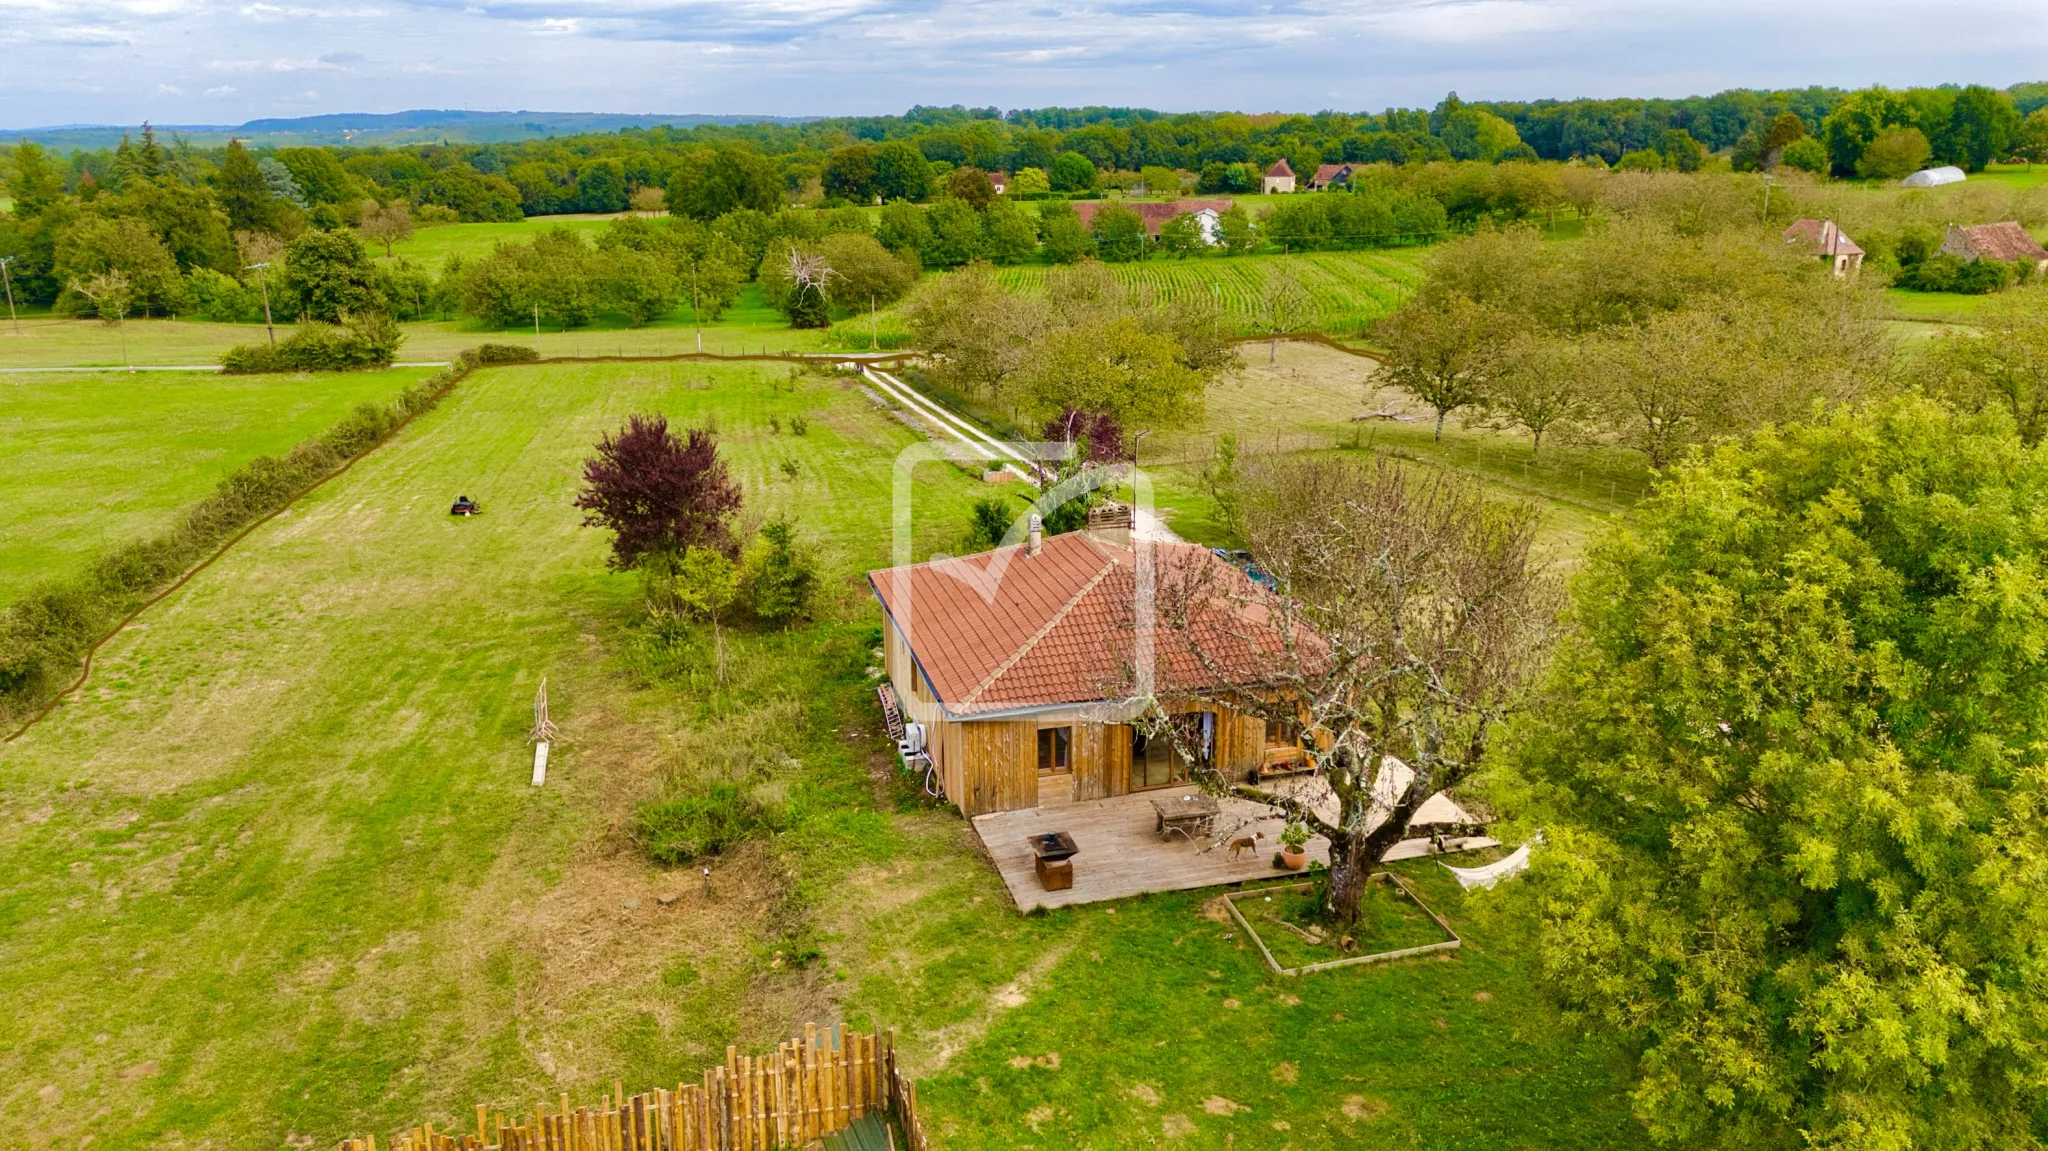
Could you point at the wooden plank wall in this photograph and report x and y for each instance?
(1001, 766)
(809, 1088)
(1102, 760)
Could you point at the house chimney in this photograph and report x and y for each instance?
(1035, 537)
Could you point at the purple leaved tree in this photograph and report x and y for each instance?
(658, 494)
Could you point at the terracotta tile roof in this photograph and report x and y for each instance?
(1155, 213)
(1003, 629)
(1327, 174)
(2006, 240)
(1280, 168)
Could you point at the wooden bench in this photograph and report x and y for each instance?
(1279, 761)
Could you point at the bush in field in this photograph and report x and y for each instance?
(702, 822)
(865, 274)
(778, 577)
(364, 343)
(502, 354)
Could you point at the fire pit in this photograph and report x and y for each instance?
(1054, 852)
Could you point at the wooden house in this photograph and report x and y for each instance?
(1021, 666)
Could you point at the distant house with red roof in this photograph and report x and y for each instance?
(1157, 213)
(2006, 241)
(1017, 665)
(1827, 240)
(1332, 175)
(1278, 178)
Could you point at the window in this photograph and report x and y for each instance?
(1052, 748)
(1280, 733)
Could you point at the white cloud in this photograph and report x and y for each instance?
(862, 56)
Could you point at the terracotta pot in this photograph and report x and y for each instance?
(1294, 857)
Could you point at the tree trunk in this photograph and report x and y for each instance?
(1440, 414)
(1536, 446)
(1353, 858)
(1273, 351)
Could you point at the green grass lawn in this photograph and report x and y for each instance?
(1351, 289)
(431, 247)
(89, 462)
(1160, 1023)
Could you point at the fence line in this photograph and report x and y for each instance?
(808, 1088)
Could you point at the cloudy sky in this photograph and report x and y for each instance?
(226, 61)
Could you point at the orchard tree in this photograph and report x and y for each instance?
(387, 225)
(1409, 624)
(1895, 154)
(1445, 352)
(659, 495)
(1136, 377)
(1790, 774)
(710, 182)
(865, 276)
(1067, 239)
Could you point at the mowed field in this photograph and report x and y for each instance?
(92, 461)
(277, 872)
(1350, 289)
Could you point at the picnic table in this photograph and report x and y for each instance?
(1188, 816)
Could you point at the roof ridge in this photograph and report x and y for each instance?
(1109, 565)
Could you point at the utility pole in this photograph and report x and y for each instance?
(696, 320)
(268, 326)
(9, 281)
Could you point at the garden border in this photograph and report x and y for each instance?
(1451, 944)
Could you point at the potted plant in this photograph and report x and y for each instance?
(1294, 845)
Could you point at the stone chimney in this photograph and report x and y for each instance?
(1034, 539)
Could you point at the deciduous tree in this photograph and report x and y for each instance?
(1787, 769)
(658, 494)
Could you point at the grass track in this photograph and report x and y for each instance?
(88, 462)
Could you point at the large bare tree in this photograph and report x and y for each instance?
(1408, 622)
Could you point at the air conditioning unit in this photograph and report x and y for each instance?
(912, 741)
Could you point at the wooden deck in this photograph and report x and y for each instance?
(1121, 855)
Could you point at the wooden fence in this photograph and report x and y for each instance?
(810, 1087)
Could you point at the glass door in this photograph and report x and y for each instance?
(1159, 761)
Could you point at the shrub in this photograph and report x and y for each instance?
(778, 575)
(700, 823)
(502, 354)
(987, 522)
(370, 342)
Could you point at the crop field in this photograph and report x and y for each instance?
(1350, 289)
(95, 460)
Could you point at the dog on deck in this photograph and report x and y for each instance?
(1245, 845)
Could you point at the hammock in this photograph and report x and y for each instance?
(1492, 873)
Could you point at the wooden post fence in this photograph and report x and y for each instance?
(810, 1087)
